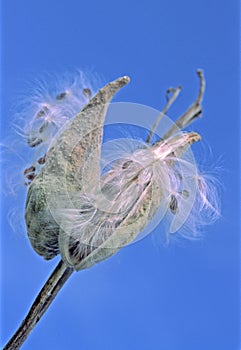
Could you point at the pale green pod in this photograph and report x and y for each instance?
(81, 137)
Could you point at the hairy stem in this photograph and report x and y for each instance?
(47, 294)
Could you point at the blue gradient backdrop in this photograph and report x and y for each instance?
(185, 296)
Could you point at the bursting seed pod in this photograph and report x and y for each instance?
(85, 214)
(65, 212)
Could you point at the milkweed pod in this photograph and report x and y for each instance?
(80, 137)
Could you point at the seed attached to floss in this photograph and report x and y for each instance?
(87, 93)
(61, 96)
(127, 164)
(30, 176)
(173, 204)
(42, 160)
(43, 111)
(33, 142)
(29, 170)
(44, 126)
(184, 193)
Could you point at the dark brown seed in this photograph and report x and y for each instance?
(42, 160)
(185, 194)
(87, 92)
(42, 112)
(29, 170)
(173, 204)
(61, 96)
(30, 176)
(34, 142)
(126, 164)
(43, 127)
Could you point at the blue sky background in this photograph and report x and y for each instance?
(148, 296)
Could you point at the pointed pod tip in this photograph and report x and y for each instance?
(123, 80)
(126, 79)
(109, 90)
(193, 137)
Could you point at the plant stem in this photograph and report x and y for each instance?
(47, 294)
(175, 92)
(193, 112)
